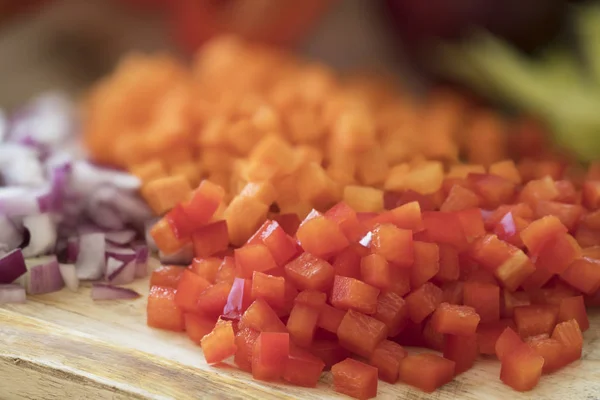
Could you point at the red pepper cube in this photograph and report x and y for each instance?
(471, 222)
(239, 298)
(311, 298)
(310, 272)
(282, 247)
(302, 368)
(375, 271)
(449, 269)
(583, 274)
(226, 271)
(269, 355)
(494, 190)
(386, 358)
(591, 194)
(213, 299)
(426, 371)
(452, 292)
(512, 300)
(392, 310)
(551, 350)
(558, 253)
(330, 318)
(539, 189)
(460, 198)
(488, 334)
(537, 279)
(360, 333)
(181, 223)
(509, 229)
(329, 351)
(269, 288)
(162, 312)
(400, 280)
(355, 379)
(521, 369)
(198, 326)
(210, 239)
(490, 252)
(321, 236)
(394, 244)
(347, 220)
(408, 216)
(206, 267)
(540, 231)
(569, 335)
(189, 289)
(219, 344)
(288, 222)
(426, 264)
(507, 342)
(568, 214)
(302, 324)
(535, 320)
(165, 237)
(253, 257)
(574, 308)
(445, 228)
(204, 202)
(455, 320)
(426, 202)
(347, 262)
(432, 339)
(463, 350)
(350, 293)
(261, 317)
(423, 301)
(587, 237)
(515, 270)
(167, 276)
(244, 340)
(484, 298)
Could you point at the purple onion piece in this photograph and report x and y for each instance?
(42, 231)
(122, 254)
(10, 236)
(18, 201)
(69, 275)
(72, 249)
(148, 237)
(120, 237)
(12, 293)
(90, 262)
(124, 275)
(141, 261)
(44, 278)
(12, 266)
(101, 291)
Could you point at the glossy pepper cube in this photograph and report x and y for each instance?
(423, 302)
(268, 287)
(392, 310)
(282, 247)
(535, 320)
(463, 350)
(426, 263)
(261, 317)
(355, 379)
(302, 368)
(162, 312)
(386, 358)
(375, 271)
(210, 239)
(166, 276)
(321, 237)
(269, 355)
(426, 371)
(189, 289)
(302, 324)
(521, 369)
(455, 320)
(350, 293)
(253, 257)
(198, 326)
(310, 272)
(361, 333)
(484, 298)
(220, 343)
(213, 299)
(393, 243)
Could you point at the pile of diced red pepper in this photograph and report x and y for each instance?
(486, 265)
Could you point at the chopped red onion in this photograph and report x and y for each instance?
(122, 254)
(182, 257)
(101, 291)
(119, 272)
(20, 166)
(44, 278)
(120, 237)
(12, 266)
(18, 201)
(11, 293)
(69, 275)
(148, 237)
(90, 262)
(72, 249)
(9, 234)
(53, 200)
(87, 177)
(42, 231)
(141, 261)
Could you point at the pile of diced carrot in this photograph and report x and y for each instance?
(272, 129)
(494, 261)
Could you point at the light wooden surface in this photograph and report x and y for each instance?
(65, 346)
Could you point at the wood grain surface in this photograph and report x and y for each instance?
(66, 346)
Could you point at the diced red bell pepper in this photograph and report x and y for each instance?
(574, 308)
(484, 298)
(507, 342)
(198, 326)
(569, 335)
(400, 280)
(330, 318)
(553, 294)
(521, 210)
(515, 270)
(509, 229)
(261, 317)
(583, 274)
(535, 319)
(355, 379)
(490, 252)
(537, 279)
(587, 237)
(568, 214)
(162, 312)
(392, 310)
(567, 192)
(471, 222)
(213, 299)
(512, 300)
(591, 194)
(375, 271)
(432, 339)
(310, 272)
(426, 202)
(393, 243)
(350, 293)
(347, 262)
(329, 351)
(210, 239)
(445, 228)
(480, 276)
(426, 264)
(312, 298)
(460, 198)
(591, 252)
(488, 334)
(180, 222)
(269, 355)
(302, 324)
(321, 237)
(361, 333)
(347, 220)
(494, 190)
(408, 216)
(189, 289)
(302, 368)
(288, 222)
(539, 190)
(269, 288)
(253, 257)
(386, 358)
(521, 369)
(539, 231)
(220, 343)
(426, 371)
(591, 220)
(423, 301)
(558, 253)
(449, 269)
(239, 298)
(463, 350)
(165, 238)
(244, 340)
(282, 247)
(226, 271)
(206, 267)
(452, 292)
(290, 296)
(455, 320)
(551, 351)
(166, 276)
(204, 202)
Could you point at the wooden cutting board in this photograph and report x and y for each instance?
(66, 346)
